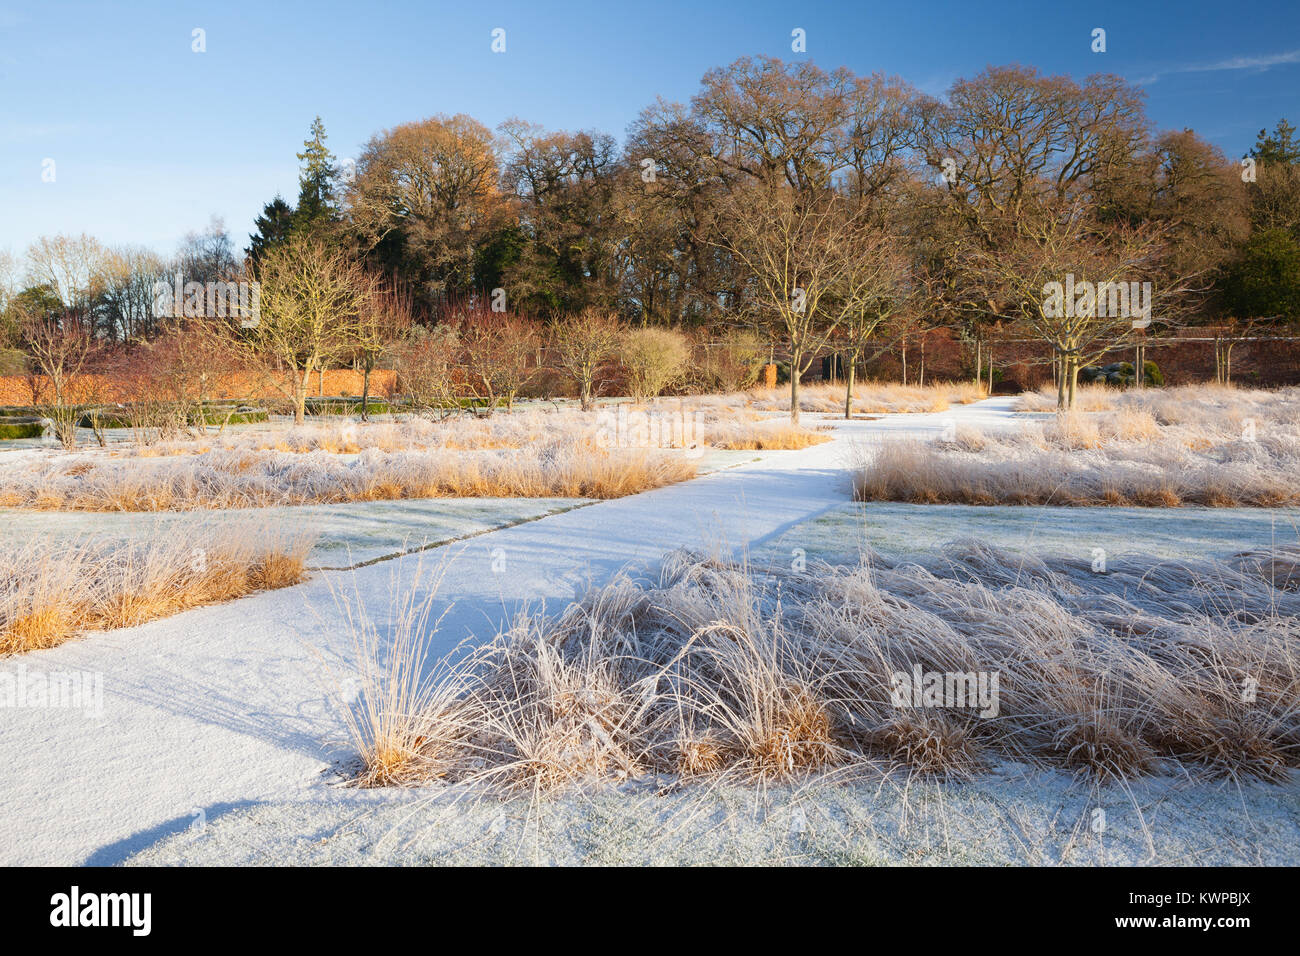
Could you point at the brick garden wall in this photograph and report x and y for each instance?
(17, 389)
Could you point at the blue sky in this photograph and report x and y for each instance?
(150, 139)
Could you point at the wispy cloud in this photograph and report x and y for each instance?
(937, 84)
(1261, 63)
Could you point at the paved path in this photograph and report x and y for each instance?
(226, 706)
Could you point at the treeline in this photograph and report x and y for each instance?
(823, 210)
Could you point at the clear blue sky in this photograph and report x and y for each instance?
(150, 139)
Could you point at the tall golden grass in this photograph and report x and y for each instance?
(262, 478)
(1214, 455)
(52, 592)
(756, 436)
(529, 454)
(1220, 407)
(723, 670)
(1087, 398)
(721, 423)
(871, 397)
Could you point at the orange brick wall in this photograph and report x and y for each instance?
(16, 390)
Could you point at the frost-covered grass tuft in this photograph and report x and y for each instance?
(718, 421)
(560, 453)
(263, 478)
(1213, 447)
(1222, 407)
(752, 436)
(871, 397)
(723, 671)
(53, 591)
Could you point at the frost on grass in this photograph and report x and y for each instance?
(52, 591)
(1220, 406)
(263, 478)
(1205, 446)
(871, 397)
(721, 671)
(527, 455)
(1017, 816)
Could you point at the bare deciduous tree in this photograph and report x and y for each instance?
(424, 360)
(1072, 283)
(872, 288)
(74, 269)
(429, 190)
(312, 299)
(800, 251)
(499, 353)
(583, 343)
(386, 316)
(60, 350)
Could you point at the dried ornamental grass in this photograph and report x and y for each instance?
(53, 592)
(256, 479)
(722, 670)
(1122, 458)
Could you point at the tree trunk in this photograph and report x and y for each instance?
(365, 391)
(921, 377)
(1074, 378)
(848, 377)
(990, 371)
(979, 361)
(1059, 363)
(795, 356)
(300, 386)
(904, 363)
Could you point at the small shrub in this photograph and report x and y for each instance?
(654, 360)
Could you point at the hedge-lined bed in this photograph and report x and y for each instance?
(212, 415)
(14, 428)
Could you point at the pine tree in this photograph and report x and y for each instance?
(1278, 147)
(316, 204)
(273, 227)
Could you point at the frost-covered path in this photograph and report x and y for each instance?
(225, 706)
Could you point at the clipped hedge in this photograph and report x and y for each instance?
(346, 406)
(240, 416)
(10, 430)
(1121, 374)
(212, 415)
(104, 420)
